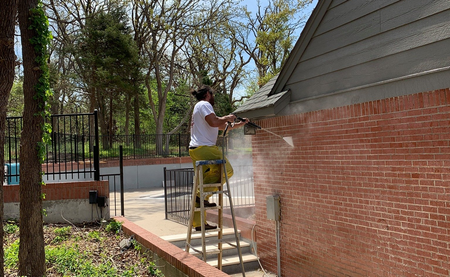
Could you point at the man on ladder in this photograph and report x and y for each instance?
(204, 131)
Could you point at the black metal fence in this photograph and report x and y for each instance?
(73, 153)
(145, 146)
(178, 185)
(76, 147)
(115, 181)
(76, 150)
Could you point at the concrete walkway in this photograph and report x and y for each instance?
(146, 209)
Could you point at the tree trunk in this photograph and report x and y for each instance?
(102, 120)
(137, 121)
(159, 135)
(31, 249)
(8, 11)
(127, 118)
(110, 121)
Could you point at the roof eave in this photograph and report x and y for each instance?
(270, 110)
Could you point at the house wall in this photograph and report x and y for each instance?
(369, 50)
(364, 192)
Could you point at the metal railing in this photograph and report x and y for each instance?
(145, 146)
(116, 186)
(76, 147)
(72, 154)
(178, 185)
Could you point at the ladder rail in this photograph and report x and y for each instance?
(202, 210)
(198, 185)
(234, 222)
(223, 173)
(191, 217)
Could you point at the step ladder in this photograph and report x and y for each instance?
(198, 185)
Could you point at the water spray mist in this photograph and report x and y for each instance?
(288, 140)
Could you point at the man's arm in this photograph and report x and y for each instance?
(221, 122)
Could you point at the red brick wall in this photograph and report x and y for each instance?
(61, 191)
(364, 192)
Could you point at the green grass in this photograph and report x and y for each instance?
(73, 251)
(10, 228)
(62, 234)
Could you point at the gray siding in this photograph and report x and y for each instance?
(374, 43)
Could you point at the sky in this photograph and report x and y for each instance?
(252, 7)
(251, 4)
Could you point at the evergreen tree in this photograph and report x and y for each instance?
(109, 56)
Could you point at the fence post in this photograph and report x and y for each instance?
(165, 192)
(96, 149)
(96, 128)
(121, 181)
(96, 164)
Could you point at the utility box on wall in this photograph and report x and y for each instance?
(273, 207)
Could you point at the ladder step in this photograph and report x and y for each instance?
(212, 185)
(182, 237)
(225, 246)
(207, 162)
(215, 192)
(207, 231)
(211, 247)
(207, 208)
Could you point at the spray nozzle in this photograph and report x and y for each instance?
(248, 123)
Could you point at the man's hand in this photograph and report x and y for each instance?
(242, 122)
(230, 117)
(245, 120)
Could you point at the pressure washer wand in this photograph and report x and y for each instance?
(226, 129)
(248, 123)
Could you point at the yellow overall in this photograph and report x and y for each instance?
(210, 172)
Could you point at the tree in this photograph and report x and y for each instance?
(108, 54)
(63, 81)
(268, 37)
(35, 38)
(179, 105)
(68, 79)
(161, 31)
(8, 11)
(178, 42)
(214, 54)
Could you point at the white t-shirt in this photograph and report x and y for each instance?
(201, 133)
